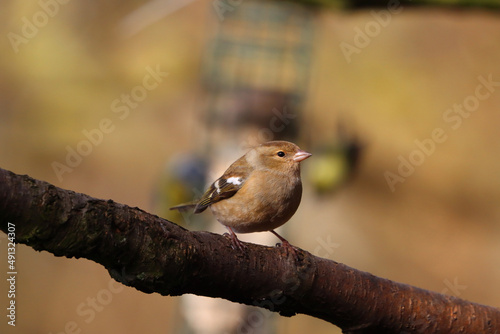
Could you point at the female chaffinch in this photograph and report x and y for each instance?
(259, 192)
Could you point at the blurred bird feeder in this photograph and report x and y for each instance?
(256, 70)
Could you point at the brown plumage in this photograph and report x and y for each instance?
(259, 192)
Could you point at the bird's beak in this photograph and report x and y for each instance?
(301, 155)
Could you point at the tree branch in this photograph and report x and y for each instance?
(383, 4)
(154, 255)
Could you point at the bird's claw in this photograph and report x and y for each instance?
(289, 249)
(236, 244)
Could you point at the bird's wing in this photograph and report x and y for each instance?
(224, 187)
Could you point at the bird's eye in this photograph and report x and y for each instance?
(281, 154)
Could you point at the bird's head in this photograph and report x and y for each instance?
(281, 156)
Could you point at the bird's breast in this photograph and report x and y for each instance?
(264, 202)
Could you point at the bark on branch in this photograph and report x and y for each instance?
(154, 255)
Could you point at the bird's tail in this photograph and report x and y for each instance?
(184, 207)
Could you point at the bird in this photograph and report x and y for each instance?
(336, 161)
(258, 192)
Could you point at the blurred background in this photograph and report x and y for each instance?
(146, 103)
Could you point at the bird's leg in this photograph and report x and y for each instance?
(283, 240)
(288, 246)
(236, 243)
